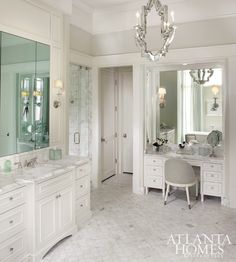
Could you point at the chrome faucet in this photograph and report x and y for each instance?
(19, 164)
(30, 163)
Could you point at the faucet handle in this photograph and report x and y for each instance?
(19, 164)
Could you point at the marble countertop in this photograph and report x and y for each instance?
(184, 156)
(42, 172)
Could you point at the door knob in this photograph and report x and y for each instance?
(124, 135)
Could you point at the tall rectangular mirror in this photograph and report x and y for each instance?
(24, 94)
(183, 105)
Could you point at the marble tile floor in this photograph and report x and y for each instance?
(134, 228)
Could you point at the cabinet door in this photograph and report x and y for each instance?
(66, 209)
(46, 219)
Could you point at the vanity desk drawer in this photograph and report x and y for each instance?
(212, 189)
(152, 161)
(212, 176)
(212, 167)
(153, 171)
(12, 199)
(153, 182)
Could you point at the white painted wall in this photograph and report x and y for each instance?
(225, 55)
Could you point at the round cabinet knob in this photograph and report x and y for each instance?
(81, 186)
(10, 198)
(212, 187)
(11, 249)
(81, 205)
(212, 175)
(11, 222)
(154, 169)
(154, 180)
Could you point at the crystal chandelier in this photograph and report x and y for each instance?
(167, 30)
(201, 76)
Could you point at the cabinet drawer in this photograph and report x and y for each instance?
(13, 248)
(212, 167)
(83, 206)
(212, 176)
(82, 186)
(55, 184)
(152, 161)
(153, 171)
(154, 182)
(212, 189)
(12, 199)
(83, 170)
(12, 222)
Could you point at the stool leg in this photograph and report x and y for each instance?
(167, 192)
(188, 199)
(197, 185)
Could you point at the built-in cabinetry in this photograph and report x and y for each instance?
(83, 193)
(46, 208)
(153, 173)
(13, 242)
(51, 212)
(211, 173)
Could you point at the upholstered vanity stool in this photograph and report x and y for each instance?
(179, 173)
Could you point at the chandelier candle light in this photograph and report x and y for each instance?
(201, 76)
(167, 29)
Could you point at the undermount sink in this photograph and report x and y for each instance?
(41, 169)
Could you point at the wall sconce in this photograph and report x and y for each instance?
(162, 94)
(59, 86)
(215, 90)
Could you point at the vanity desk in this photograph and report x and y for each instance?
(211, 172)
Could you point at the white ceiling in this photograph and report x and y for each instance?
(104, 4)
(98, 4)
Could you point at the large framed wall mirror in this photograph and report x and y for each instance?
(182, 105)
(24, 94)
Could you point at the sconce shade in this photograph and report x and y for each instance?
(162, 91)
(58, 84)
(215, 90)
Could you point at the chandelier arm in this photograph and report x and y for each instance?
(167, 30)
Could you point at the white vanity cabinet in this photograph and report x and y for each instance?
(51, 213)
(13, 243)
(212, 175)
(211, 169)
(83, 212)
(153, 173)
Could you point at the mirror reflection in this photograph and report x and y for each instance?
(184, 105)
(24, 103)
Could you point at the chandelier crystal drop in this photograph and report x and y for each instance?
(201, 76)
(167, 30)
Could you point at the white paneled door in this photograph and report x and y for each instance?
(126, 120)
(108, 123)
